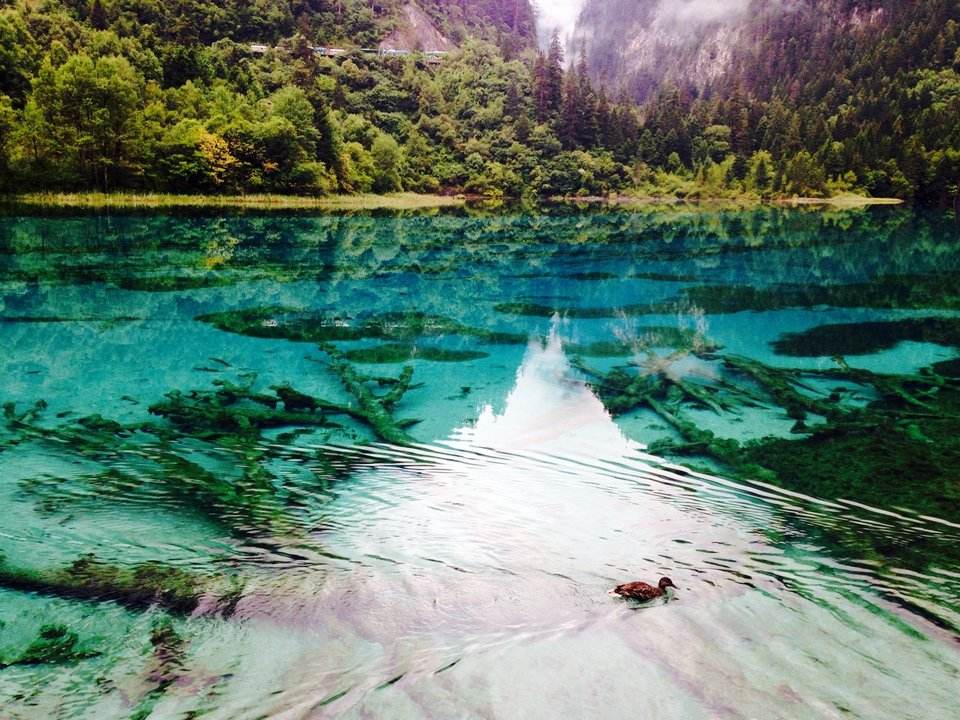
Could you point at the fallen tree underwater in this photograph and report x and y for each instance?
(878, 420)
(235, 414)
(249, 498)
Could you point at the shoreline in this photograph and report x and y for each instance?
(841, 201)
(402, 201)
(95, 200)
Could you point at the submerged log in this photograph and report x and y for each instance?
(778, 384)
(138, 587)
(374, 409)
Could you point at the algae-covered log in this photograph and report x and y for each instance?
(915, 390)
(394, 353)
(202, 416)
(624, 390)
(374, 409)
(779, 385)
(244, 495)
(86, 436)
(138, 587)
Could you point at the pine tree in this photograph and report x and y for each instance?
(568, 129)
(541, 89)
(555, 75)
(603, 120)
(512, 107)
(98, 16)
(587, 126)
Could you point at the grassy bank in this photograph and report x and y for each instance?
(744, 200)
(397, 201)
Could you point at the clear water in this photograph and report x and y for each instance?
(464, 572)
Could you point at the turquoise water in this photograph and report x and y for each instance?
(230, 497)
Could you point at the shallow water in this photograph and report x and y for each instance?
(463, 569)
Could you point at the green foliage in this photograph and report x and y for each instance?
(869, 105)
(18, 53)
(804, 176)
(386, 158)
(172, 97)
(192, 157)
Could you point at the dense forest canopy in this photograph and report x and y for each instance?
(850, 92)
(150, 95)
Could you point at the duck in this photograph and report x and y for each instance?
(643, 591)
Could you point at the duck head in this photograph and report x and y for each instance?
(666, 582)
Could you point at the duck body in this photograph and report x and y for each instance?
(643, 591)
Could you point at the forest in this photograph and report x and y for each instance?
(139, 95)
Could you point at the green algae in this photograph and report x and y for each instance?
(866, 338)
(55, 645)
(908, 292)
(663, 277)
(948, 368)
(904, 463)
(299, 325)
(592, 276)
(285, 323)
(601, 349)
(900, 449)
(399, 353)
(644, 338)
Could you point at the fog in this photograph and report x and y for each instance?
(557, 15)
(562, 15)
(699, 11)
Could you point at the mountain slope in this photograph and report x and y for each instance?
(812, 96)
(233, 96)
(762, 46)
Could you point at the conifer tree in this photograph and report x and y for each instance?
(554, 75)
(98, 16)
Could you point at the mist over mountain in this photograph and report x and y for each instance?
(638, 46)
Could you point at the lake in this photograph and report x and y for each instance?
(390, 465)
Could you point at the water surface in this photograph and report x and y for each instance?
(763, 405)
